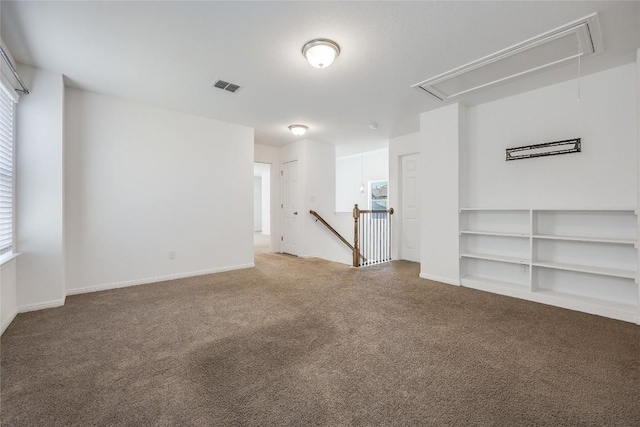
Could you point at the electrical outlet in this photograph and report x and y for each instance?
(172, 254)
(523, 269)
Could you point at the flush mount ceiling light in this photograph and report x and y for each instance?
(298, 130)
(321, 52)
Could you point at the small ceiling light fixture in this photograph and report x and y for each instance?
(298, 130)
(321, 52)
(373, 126)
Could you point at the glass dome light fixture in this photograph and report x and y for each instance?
(298, 130)
(321, 52)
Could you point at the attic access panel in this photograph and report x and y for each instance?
(580, 38)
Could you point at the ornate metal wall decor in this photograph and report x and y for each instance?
(547, 149)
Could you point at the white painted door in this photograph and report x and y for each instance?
(289, 206)
(410, 205)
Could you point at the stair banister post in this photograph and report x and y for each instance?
(356, 247)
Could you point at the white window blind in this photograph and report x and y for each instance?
(7, 110)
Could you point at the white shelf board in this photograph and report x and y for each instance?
(612, 210)
(615, 310)
(501, 258)
(494, 233)
(496, 286)
(585, 239)
(494, 209)
(605, 210)
(627, 274)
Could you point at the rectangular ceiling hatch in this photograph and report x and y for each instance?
(580, 38)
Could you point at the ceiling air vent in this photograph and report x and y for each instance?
(221, 84)
(580, 38)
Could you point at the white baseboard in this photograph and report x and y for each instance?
(41, 305)
(8, 321)
(310, 256)
(148, 280)
(440, 279)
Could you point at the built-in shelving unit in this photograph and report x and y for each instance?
(580, 259)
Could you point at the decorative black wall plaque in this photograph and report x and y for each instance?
(547, 149)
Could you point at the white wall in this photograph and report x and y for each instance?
(326, 244)
(398, 147)
(604, 174)
(316, 191)
(40, 197)
(8, 297)
(321, 183)
(441, 131)
(143, 181)
(353, 171)
(353, 149)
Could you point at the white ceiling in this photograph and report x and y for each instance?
(168, 54)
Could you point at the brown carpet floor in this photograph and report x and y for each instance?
(307, 342)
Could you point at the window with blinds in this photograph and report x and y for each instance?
(7, 110)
